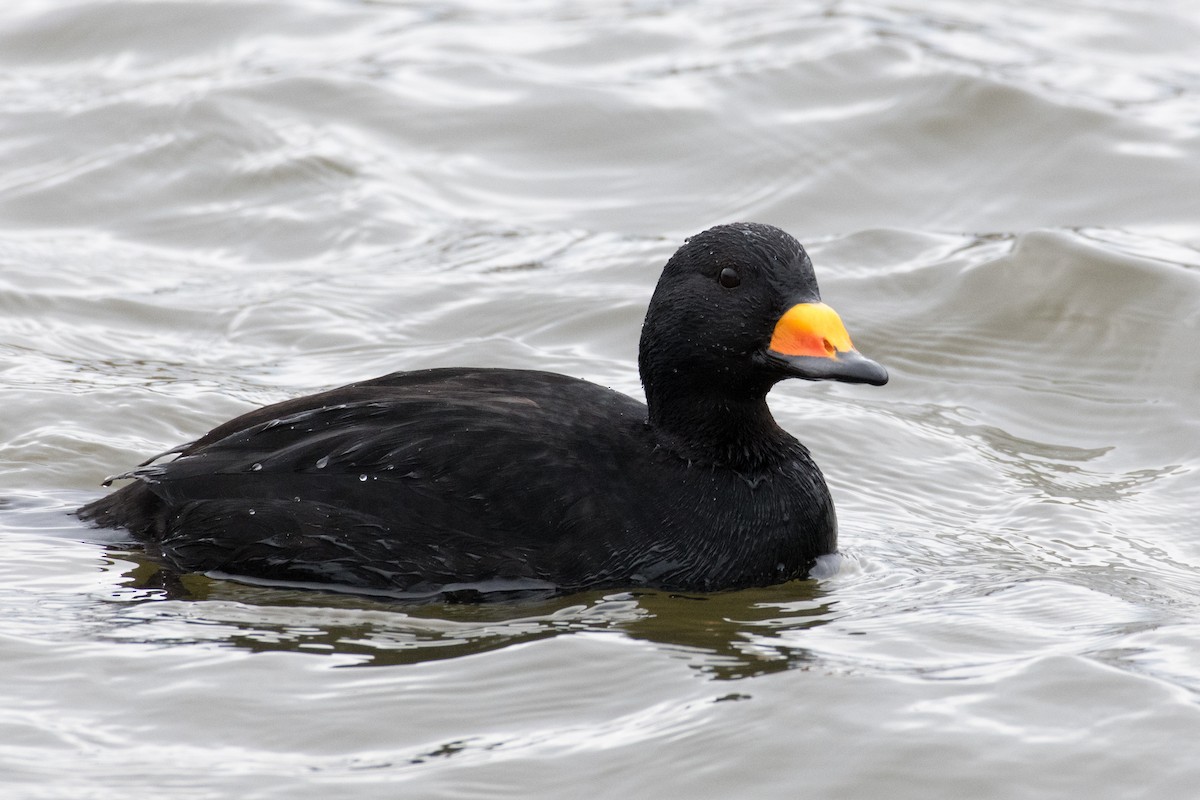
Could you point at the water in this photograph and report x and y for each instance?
(210, 206)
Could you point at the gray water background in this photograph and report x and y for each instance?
(208, 206)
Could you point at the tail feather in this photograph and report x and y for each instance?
(133, 507)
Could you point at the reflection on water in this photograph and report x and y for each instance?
(726, 635)
(1053, 472)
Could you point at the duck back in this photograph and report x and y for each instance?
(421, 479)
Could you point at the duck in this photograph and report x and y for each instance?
(418, 482)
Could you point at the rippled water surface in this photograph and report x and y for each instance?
(207, 206)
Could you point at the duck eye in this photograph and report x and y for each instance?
(729, 278)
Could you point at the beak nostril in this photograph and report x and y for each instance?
(830, 350)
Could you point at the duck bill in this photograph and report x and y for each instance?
(811, 342)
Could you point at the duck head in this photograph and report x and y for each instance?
(736, 310)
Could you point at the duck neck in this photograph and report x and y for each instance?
(737, 432)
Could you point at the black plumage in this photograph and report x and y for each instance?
(419, 480)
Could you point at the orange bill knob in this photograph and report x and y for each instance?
(810, 341)
(810, 329)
